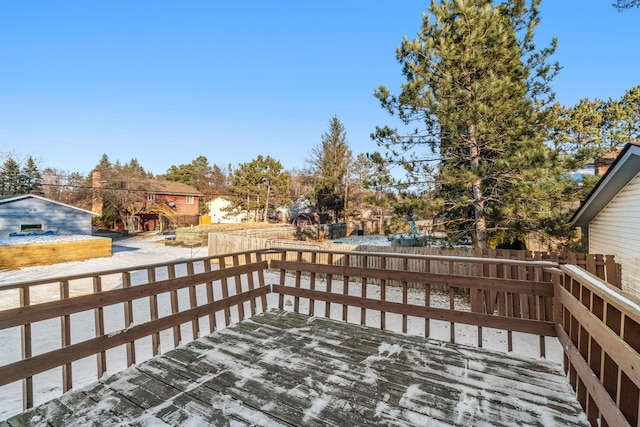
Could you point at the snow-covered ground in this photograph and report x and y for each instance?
(375, 240)
(149, 249)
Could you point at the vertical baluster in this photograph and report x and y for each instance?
(383, 293)
(405, 294)
(128, 319)
(363, 290)
(427, 299)
(261, 282)
(327, 305)
(173, 295)
(222, 263)
(452, 326)
(153, 312)
(25, 339)
(481, 296)
(238, 281)
(312, 284)
(345, 288)
(296, 299)
(283, 277)
(508, 310)
(99, 325)
(210, 297)
(193, 302)
(65, 334)
(252, 303)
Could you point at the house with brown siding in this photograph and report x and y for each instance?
(161, 204)
(168, 204)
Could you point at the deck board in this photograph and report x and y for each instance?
(281, 368)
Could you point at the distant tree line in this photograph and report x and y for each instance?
(17, 179)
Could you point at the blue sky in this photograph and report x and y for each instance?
(166, 81)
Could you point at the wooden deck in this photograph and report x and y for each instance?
(282, 368)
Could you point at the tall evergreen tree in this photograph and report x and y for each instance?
(10, 177)
(31, 178)
(104, 163)
(478, 90)
(329, 164)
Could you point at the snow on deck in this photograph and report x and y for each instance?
(282, 368)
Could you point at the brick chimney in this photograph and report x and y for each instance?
(601, 164)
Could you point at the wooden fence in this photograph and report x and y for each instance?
(603, 266)
(599, 329)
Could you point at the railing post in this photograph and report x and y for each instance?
(383, 293)
(65, 335)
(128, 320)
(193, 302)
(210, 296)
(99, 325)
(252, 303)
(312, 284)
(327, 305)
(345, 288)
(177, 333)
(25, 332)
(363, 291)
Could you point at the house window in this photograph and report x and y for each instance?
(151, 197)
(189, 200)
(30, 227)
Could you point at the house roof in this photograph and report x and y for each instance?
(16, 197)
(170, 187)
(624, 168)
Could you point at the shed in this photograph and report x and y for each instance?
(29, 213)
(302, 220)
(610, 216)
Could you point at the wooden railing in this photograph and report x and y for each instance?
(147, 310)
(217, 289)
(599, 328)
(509, 295)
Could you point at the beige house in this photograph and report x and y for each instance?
(219, 215)
(610, 216)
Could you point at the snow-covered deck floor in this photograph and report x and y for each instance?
(282, 368)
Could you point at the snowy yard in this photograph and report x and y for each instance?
(149, 249)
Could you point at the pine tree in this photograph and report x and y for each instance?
(31, 178)
(329, 165)
(479, 91)
(10, 178)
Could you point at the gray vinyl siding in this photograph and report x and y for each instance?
(62, 220)
(616, 230)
